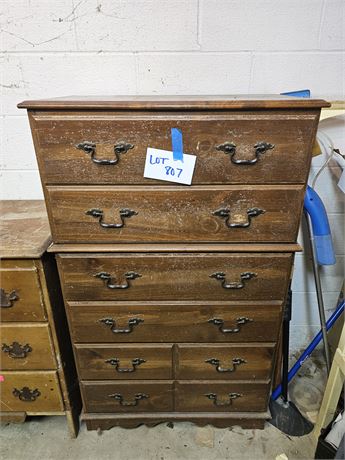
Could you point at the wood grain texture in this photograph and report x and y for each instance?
(174, 276)
(173, 214)
(174, 322)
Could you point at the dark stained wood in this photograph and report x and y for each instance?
(24, 230)
(174, 276)
(96, 396)
(167, 214)
(93, 361)
(255, 361)
(174, 322)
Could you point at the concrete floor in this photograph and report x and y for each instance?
(47, 438)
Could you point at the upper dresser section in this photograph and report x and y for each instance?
(237, 140)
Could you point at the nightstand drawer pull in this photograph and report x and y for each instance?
(110, 284)
(16, 350)
(127, 330)
(230, 149)
(225, 213)
(25, 394)
(90, 149)
(220, 323)
(245, 276)
(99, 214)
(216, 362)
(6, 300)
(213, 397)
(116, 362)
(138, 397)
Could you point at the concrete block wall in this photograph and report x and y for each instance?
(90, 47)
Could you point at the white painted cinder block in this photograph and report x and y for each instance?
(332, 34)
(20, 185)
(305, 310)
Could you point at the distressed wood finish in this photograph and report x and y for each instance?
(182, 276)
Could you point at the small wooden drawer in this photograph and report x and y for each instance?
(140, 396)
(199, 276)
(124, 362)
(174, 322)
(20, 292)
(222, 362)
(26, 346)
(30, 392)
(70, 145)
(206, 396)
(173, 214)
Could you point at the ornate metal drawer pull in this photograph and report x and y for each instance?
(6, 300)
(112, 323)
(116, 362)
(16, 350)
(224, 213)
(235, 362)
(99, 214)
(213, 397)
(25, 394)
(90, 149)
(230, 148)
(239, 321)
(245, 276)
(138, 397)
(108, 279)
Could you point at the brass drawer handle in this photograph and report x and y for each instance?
(16, 350)
(6, 300)
(239, 321)
(90, 149)
(99, 214)
(230, 149)
(221, 276)
(225, 213)
(138, 397)
(216, 362)
(127, 330)
(110, 284)
(25, 394)
(213, 397)
(116, 362)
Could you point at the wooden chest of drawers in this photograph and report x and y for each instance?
(38, 376)
(174, 293)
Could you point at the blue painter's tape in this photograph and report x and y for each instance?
(301, 93)
(177, 144)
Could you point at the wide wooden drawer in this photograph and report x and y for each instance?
(20, 292)
(64, 160)
(211, 396)
(26, 346)
(102, 362)
(169, 214)
(141, 396)
(175, 276)
(174, 322)
(30, 392)
(222, 362)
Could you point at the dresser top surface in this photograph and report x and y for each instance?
(24, 229)
(216, 102)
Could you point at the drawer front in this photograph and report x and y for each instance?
(222, 362)
(30, 392)
(175, 276)
(57, 137)
(140, 396)
(20, 295)
(26, 346)
(195, 396)
(163, 214)
(177, 322)
(124, 362)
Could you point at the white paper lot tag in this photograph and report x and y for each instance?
(160, 165)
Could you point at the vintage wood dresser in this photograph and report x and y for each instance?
(37, 372)
(174, 293)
